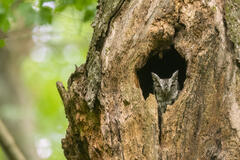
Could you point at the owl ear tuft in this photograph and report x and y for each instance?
(175, 75)
(156, 80)
(154, 76)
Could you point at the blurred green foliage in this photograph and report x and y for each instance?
(68, 46)
(2, 156)
(40, 12)
(61, 34)
(2, 43)
(5, 12)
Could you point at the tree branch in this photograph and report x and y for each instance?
(7, 142)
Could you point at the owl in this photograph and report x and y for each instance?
(165, 90)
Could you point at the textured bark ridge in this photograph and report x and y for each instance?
(110, 105)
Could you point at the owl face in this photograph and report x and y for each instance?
(165, 88)
(169, 84)
(165, 84)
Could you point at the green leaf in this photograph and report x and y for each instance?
(29, 15)
(62, 4)
(2, 43)
(2, 9)
(45, 15)
(60, 8)
(83, 4)
(89, 13)
(6, 3)
(4, 24)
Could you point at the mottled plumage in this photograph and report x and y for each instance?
(165, 90)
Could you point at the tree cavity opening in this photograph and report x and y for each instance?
(164, 64)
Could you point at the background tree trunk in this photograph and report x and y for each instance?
(110, 104)
(13, 92)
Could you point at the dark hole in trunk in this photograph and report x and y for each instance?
(164, 67)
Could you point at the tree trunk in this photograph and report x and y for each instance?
(13, 93)
(110, 103)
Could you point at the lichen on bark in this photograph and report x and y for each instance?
(232, 14)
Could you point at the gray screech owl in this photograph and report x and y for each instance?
(165, 90)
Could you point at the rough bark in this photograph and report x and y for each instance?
(109, 118)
